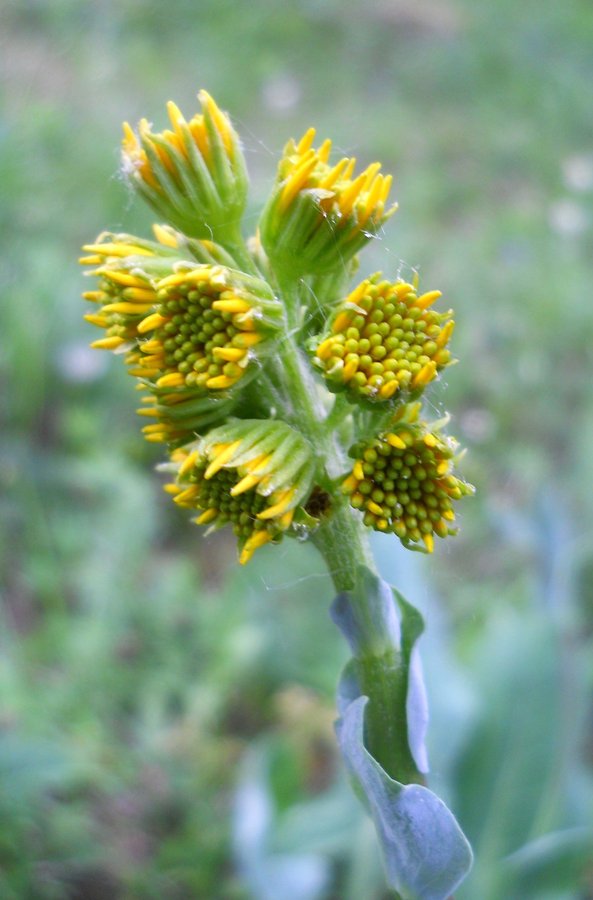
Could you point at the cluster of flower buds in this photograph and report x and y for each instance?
(233, 382)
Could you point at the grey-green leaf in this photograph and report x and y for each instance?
(382, 629)
(412, 626)
(367, 616)
(425, 852)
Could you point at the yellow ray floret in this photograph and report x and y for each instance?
(207, 516)
(245, 484)
(233, 305)
(108, 343)
(280, 507)
(257, 539)
(222, 454)
(151, 322)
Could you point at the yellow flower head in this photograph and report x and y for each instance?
(207, 326)
(125, 267)
(403, 481)
(319, 214)
(251, 474)
(384, 338)
(194, 175)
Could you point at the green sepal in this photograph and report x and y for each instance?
(230, 174)
(305, 520)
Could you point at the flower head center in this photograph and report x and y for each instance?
(201, 334)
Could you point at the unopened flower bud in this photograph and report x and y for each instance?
(319, 215)
(193, 176)
(180, 415)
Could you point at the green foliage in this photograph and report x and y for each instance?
(526, 830)
(133, 676)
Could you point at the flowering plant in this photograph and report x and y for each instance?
(290, 404)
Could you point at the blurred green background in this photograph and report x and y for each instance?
(166, 719)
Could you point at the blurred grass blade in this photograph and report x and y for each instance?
(555, 862)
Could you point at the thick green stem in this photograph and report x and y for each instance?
(386, 727)
(340, 410)
(342, 540)
(295, 373)
(343, 543)
(379, 661)
(232, 240)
